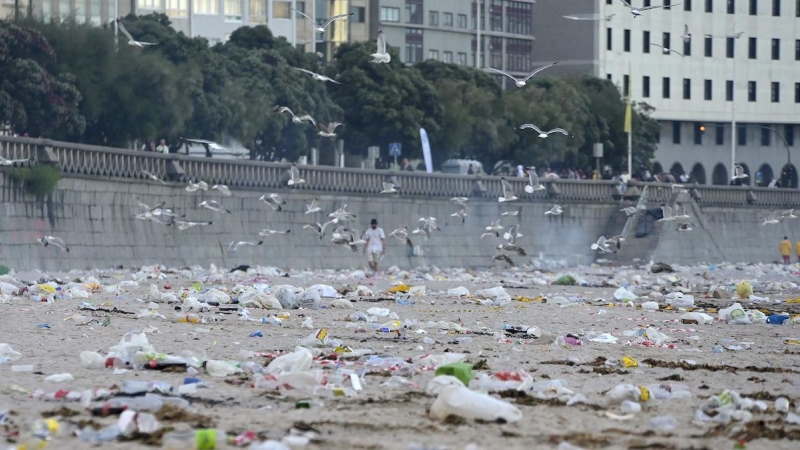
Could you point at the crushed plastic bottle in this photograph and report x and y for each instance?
(471, 405)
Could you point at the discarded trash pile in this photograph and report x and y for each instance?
(703, 357)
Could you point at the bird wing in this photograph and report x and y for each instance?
(667, 211)
(525, 126)
(283, 109)
(738, 169)
(588, 17)
(627, 228)
(657, 45)
(685, 30)
(142, 205)
(306, 71)
(773, 215)
(533, 177)
(124, 30)
(788, 212)
(334, 18)
(311, 205)
(294, 173)
(506, 187)
(676, 52)
(559, 130)
(387, 186)
(308, 118)
(333, 125)
(307, 17)
(381, 42)
(530, 75)
(500, 72)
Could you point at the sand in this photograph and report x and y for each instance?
(396, 418)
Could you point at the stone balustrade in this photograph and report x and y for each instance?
(103, 162)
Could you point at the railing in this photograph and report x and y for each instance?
(95, 161)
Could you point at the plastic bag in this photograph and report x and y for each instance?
(460, 291)
(734, 314)
(297, 361)
(286, 298)
(624, 295)
(462, 402)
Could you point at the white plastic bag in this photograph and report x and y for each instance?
(297, 361)
(460, 291)
(624, 295)
(462, 402)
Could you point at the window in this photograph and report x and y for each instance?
(258, 11)
(626, 82)
(94, 11)
(720, 137)
(667, 3)
(741, 135)
(608, 2)
(797, 8)
(751, 48)
(753, 7)
(518, 55)
(608, 76)
(646, 87)
(676, 132)
(687, 5)
(709, 6)
(687, 89)
(709, 45)
(707, 89)
(496, 15)
(666, 41)
(280, 10)
(462, 59)
(462, 21)
(797, 92)
(776, 8)
(177, 8)
(699, 129)
(448, 19)
(301, 6)
(447, 57)
(731, 6)
(433, 54)
(728, 90)
(47, 11)
(766, 136)
(519, 17)
(788, 134)
(646, 42)
(775, 92)
(687, 48)
(646, 3)
(626, 40)
(797, 49)
(233, 10)
(665, 87)
(608, 38)
(751, 91)
(414, 11)
(206, 7)
(143, 4)
(729, 47)
(80, 11)
(414, 39)
(359, 14)
(776, 49)
(433, 18)
(390, 14)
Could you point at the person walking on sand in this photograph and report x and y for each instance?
(786, 250)
(376, 245)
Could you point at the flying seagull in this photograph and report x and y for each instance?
(193, 187)
(589, 17)
(543, 134)
(274, 201)
(183, 226)
(683, 227)
(686, 35)
(680, 211)
(295, 119)
(667, 51)
(233, 246)
(319, 228)
(773, 219)
(490, 233)
(294, 176)
(738, 173)
(788, 214)
(328, 21)
(533, 181)
(512, 233)
(510, 213)
(152, 177)
(131, 41)
(55, 241)
(462, 214)
(520, 82)
(495, 226)
(666, 212)
(265, 232)
(511, 247)
(602, 245)
(463, 201)
(554, 211)
(388, 188)
(636, 12)
(213, 205)
(317, 76)
(381, 55)
(208, 145)
(313, 207)
(508, 192)
(222, 189)
(328, 130)
(505, 258)
(11, 162)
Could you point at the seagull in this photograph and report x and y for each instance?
(313, 207)
(400, 233)
(589, 17)
(222, 189)
(533, 181)
(152, 177)
(505, 258)
(511, 247)
(616, 241)
(508, 193)
(554, 211)
(680, 211)
(788, 214)
(328, 130)
(772, 219)
(294, 176)
(295, 119)
(183, 226)
(273, 200)
(388, 188)
(193, 187)
(11, 162)
(328, 21)
(512, 233)
(265, 232)
(495, 226)
(686, 226)
(463, 201)
(317, 76)
(319, 228)
(131, 41)
(381, 55)
(678, 188)
(636, 12)
(426, 225)
(213, 205)
(686, 35)
(233, 246)
(738, 173)
(209, 145)
(490, 233)
(510, 213)
(666, 50)
(56, 241)
(342, 214)
(602, 245)
(520, 82)
(543, 134)
(462, 214)
(666, 212)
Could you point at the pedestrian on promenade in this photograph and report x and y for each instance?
(786, 250)
(375, 247)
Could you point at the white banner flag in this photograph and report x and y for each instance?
(426, 150)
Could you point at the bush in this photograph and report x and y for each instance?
(39, 181)
(565, 280)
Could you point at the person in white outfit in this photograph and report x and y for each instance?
(375, 246)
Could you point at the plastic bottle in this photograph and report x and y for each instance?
(782, 404)
(462, 402)
(207, 439)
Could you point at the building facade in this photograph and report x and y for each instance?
(446, 30)
(742, 61)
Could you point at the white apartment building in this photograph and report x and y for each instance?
(742, 53)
